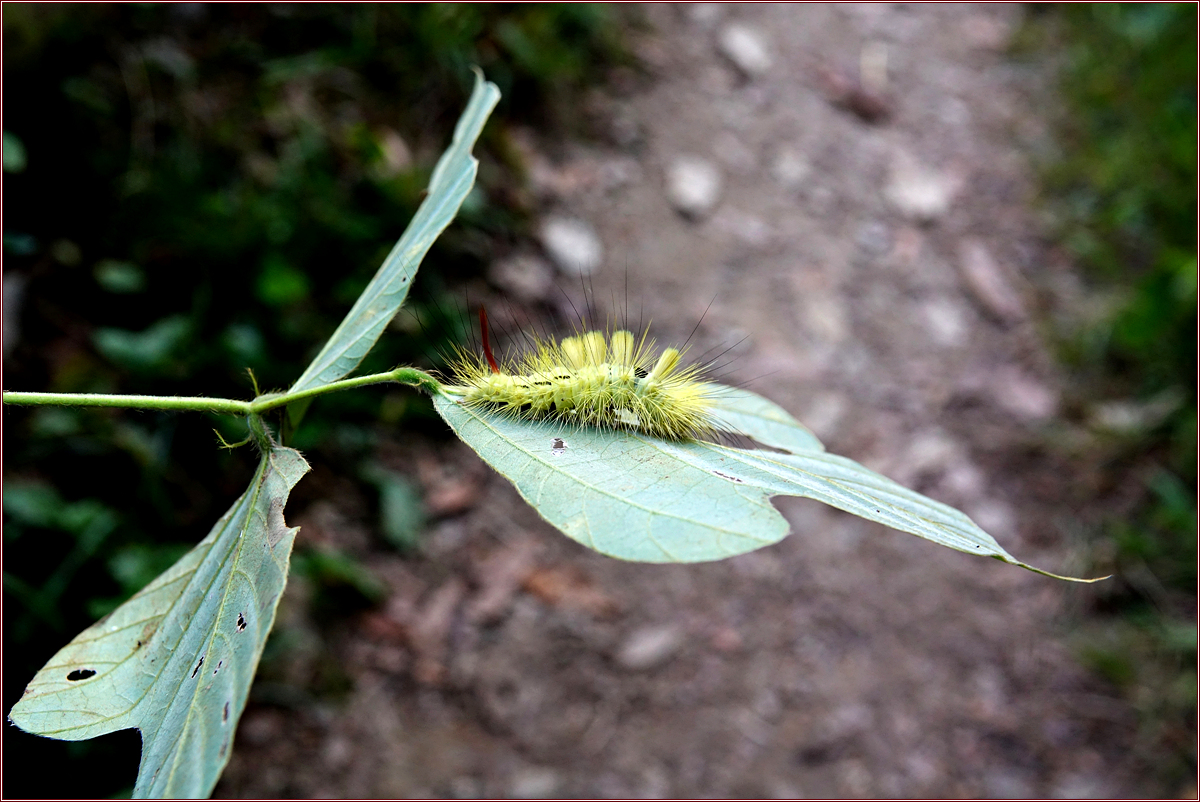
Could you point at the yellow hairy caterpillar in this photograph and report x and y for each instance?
(614, 381)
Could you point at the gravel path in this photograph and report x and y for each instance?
(851, 185)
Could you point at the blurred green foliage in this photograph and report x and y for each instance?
(1123, 191)
(197, 189)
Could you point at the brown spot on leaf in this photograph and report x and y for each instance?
(147, 632)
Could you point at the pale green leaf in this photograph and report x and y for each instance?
(770, 424)
(638, 498)
(377, 305)
(176, 660)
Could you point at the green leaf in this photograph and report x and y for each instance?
(32, 503)
(143, 350)
(635, 497)
(767, 422)
(14, 153)
(401, 516)
(280, 284)
(176, 660)
(119, 277)
(452, 180)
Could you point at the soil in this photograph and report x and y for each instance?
(874, 254)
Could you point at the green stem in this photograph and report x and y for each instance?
(409, 376)
(228, 406)
(225, 405)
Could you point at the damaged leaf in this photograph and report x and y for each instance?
(635, 497)
(176, 660)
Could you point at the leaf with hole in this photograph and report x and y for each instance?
(176, 660)
(635, 497)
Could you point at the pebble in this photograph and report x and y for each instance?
(930, 452)
(918, 192)
(782, 789)
(1023, 396)
(745, 48)
(624, 128)
(790, 168)
(337, 751)
(726, 639)
(524, 276)
(994, 517)
(744, 227)
(572, 245)
(1007, 783)
(945, 323)
(984, 32)
(655, 783)
(826, 319)
(618, 173)
(693, 186)
(823, 414)
(705, 14)
(873, 237)
(1082, 786)
(987, 283)
(853, 777)
(534, 783)
(465, 787)
(848, 93)
(964, 478)
(1133, 417)
(649, 647)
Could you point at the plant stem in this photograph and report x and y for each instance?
(228, 406)
(409, 376)
(224, 405)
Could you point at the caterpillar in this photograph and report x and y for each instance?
(612, 380)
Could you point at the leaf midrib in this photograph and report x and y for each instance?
(235, 554)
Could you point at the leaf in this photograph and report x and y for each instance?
(767, 422)
(176, 660)
(400, 511)
(452, 180)
(143, 350)
(635, 497)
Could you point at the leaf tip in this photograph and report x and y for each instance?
(1062, 577)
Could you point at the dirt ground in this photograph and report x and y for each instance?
(874, 254)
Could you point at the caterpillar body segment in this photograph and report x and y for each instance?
(614, 382)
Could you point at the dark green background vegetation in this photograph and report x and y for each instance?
(1122, 190)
